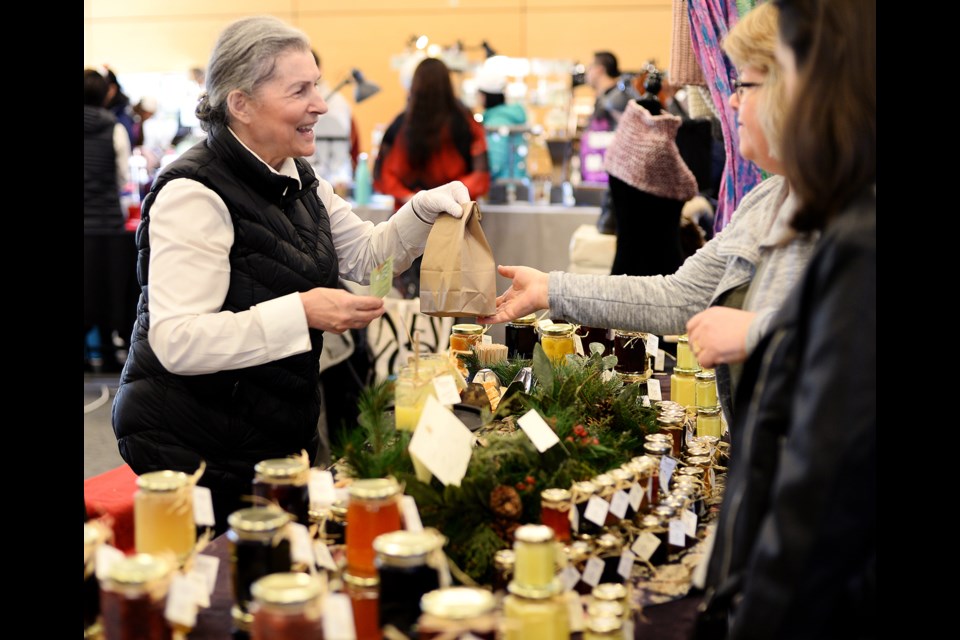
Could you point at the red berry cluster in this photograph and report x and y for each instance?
(528, 483)
(583, 437)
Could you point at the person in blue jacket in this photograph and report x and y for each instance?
(506, 150)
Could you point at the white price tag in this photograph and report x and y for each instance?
(653, 390)
(200, 588)
(338, 618)
(658, 360)
(577, 345)
(597, 509)
(646, 400)
(446, 388)
(208, 567)
(301, 549)
(678, 535)
(574, 519)
(442, 443)
(539, 432)
(203, 507)
(625, 568)
(667, 465)
(619, 504)
(105, 556)
(636, 496)
(322, 553)
(181, 605)
(320, 487)
(570, 578)
(486, 339)
(689, 519)
(653, 344)
(593, 571)
(645, 545)
(574, 611)
(411, 515)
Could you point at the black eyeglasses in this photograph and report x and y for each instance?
(740, 85)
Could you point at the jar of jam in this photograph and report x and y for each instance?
(706, 392)
(630, 347)
(683, 386)
(373, 510)
(609, 546)
(364, 594)
(408, 570)
(591, 335)
(606, 487)
(503, 564)
(708, 422)
(520, 336)
(133, 599)
(705, 463)
(163, 514)
(555, 507)
(542, 617)
(685, 357)
(256, 550)
(287, 606)
(331, 523)
(93, 537)
(603, 627)
(463, 337)
(656, 449)
(658, 527)
(535, 568)
(672, 426)
(284, 481)
(624, 479)
(581, 493)
(557, 342)
(612, 592)
(458, 612)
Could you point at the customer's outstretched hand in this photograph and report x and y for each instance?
(527, 294)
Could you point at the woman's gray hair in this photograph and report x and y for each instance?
(244, 57)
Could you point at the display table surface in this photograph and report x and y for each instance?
(669, 621)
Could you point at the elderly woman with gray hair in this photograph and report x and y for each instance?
(241, 247)
(727, 293)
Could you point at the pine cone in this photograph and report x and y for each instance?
(505, 503)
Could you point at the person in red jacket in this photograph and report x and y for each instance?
(435, 140)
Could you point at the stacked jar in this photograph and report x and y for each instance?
(284, 481)
(256, 550)
(373, 510)
(708, 405)
(520, 336)
(683, 383)
(535, 608)
(408, 569)
(163, 514)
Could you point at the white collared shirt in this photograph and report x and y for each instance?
(191, 234)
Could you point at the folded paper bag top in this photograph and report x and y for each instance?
(458, 275)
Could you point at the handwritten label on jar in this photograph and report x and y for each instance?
(539, 432)
(446, 388)
(653, 344)
(658, 361)
(593, 571)
(442, 442)
(689, 519)
(301, 551)
(596, 511)
(678, 535)
(653, 390)
(570, 578)
(338, 618)
(625, 567)
(322, 553)
(667, 465)
(203, 507)
(645, 545)
(208, 567)
(181, 605)
(619, 504)
(320, 486)
(636, 496)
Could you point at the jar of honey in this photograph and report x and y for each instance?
(373, 510)
(465, 336)
(163, 514)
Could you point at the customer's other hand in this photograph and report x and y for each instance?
(449, 198)
(527, 294)
(719, 335)
(337, 310)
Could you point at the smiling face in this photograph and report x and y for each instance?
(277, 121)
(753, 141)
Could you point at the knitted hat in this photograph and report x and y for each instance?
(644, 154)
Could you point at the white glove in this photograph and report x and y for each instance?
(449, 198)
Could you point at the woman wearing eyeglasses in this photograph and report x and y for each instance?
(741, 276)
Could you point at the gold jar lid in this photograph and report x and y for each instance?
(577, 551)
(529, 320)
(163, 480)
(281, 468)
(374, 489)
(686, 491)
(467, 329)
(664, 511)
(685, 372)
(557, 330)
(705, 375)
(700, 461)
(683, 339)
(668, 420)
(604, 624)
(708, 411)
(360, 582)
(657, 448)
(691, 472)
(504, 559)
(698, 451)
(585, 488)
(609, 591)
(675, 501)
(651, 521)
(286, 588)
(707, 442)
(643, 463)
(605, 608)
(658, 437)
(555, 497)
(458, 603)
(535, 593)
(629, 334)
(621, 475)
(604, 480)
(406, 545)
(634, 378)
(610, 543)
(533, 534)
(258, 520)
(138, 569)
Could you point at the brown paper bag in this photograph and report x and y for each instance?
(458, 275)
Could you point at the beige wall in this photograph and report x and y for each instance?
(175, 35)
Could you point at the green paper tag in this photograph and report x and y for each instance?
(381, 279)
